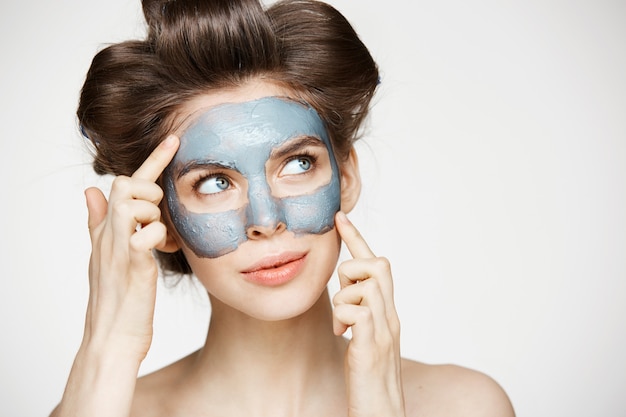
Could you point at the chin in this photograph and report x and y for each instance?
(286, 303)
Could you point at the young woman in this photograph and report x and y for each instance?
(230, 130)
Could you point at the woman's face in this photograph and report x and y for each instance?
(250, 165)
(252, 193)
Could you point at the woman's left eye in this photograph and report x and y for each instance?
(298, 165)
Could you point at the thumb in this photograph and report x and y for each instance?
(96, 207)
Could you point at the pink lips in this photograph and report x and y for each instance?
(275, 270)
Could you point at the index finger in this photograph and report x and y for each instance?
(352, 238)
(154, 165)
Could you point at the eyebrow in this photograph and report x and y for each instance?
(297, 144)
(201, 164)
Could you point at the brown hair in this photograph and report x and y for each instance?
(134, 88)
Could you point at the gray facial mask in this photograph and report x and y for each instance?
(242, 137)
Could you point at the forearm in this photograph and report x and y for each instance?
(101, 384)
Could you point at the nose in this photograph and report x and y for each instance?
(265, 218)
(256, 232)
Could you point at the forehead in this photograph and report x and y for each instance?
(262, 123)
(251, 90)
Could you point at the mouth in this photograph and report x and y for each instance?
(275, 270)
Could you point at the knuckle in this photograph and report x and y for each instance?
(160, 230)
(155, 213)
(147, 238)
(152, 189)
(339, 311)
(341, 269)
(137, 243)
(158, 192)
(121, 184)
(381, 263)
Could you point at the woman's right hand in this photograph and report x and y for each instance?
(122, 269)
(123, 281)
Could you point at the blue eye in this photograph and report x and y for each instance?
(213, 185)
(297, 166)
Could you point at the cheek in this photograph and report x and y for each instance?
(325, 254)
(214, 274)
(313, 213)
(208, 235)
(211, 235)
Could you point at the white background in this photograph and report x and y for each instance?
(495, 182)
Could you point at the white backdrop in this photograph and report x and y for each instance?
(495, 182)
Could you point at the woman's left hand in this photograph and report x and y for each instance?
(365, 304)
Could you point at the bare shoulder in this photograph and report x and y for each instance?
(450, 390)
(150, 392)
(154, 391)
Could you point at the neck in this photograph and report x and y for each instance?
(280, 363)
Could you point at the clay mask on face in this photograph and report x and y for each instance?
(242, 137)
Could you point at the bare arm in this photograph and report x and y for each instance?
(122, 280)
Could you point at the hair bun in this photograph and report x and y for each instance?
(186, 33)
(152, 10)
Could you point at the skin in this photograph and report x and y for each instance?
(270, 351)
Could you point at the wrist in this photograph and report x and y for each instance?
(116, 345)
(101, 383)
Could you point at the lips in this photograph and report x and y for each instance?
(275, 270)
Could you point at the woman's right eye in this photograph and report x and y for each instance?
(212, 185)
